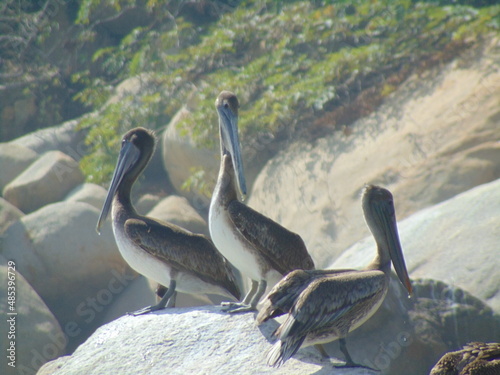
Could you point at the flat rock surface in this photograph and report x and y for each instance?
(456, 241)
(184, 341)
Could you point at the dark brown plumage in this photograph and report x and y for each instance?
(256, 245)
(475, 358)
(163, 252)
(325, 305)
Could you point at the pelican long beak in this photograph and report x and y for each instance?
(230, 142)
(129, 154)
(390, 229)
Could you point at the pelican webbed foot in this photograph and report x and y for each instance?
(167, 299)
(250, 302)
(147, 310)
(237, 307)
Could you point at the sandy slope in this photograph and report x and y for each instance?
(436, 136)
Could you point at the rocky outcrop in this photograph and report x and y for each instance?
(435, 137)
(45, 181)
(205, 340)
(455, 242)
(14, 159)
(64, 137)
(185, 341)
(76, 272)
(32, 336)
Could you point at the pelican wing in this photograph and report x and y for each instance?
(335, 303)
(284, 249)
(285, 293)
(183, 250)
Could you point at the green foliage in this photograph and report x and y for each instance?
(288, 62)
(199, 181)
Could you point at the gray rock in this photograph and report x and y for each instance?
(45, 181)
(77, 272)
(38, 338)
(455, 242)
(14, 159)
(8, 214)
(181, 156)
(146, 203)
(136, 295)
(178, 211)
(185, 341)
(64, 137)
(89, 193)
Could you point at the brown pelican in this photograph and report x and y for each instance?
(160, 251)
(259, 247)
(325, 305)
(476, 358)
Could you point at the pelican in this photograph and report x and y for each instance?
(259, 247)
(325, 305)
(477, 358)
(160, 251)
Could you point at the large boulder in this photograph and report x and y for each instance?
(181, 157)
(455, 241)
(45, 181)
(89, 193)
(65, 137)
(434, 137)
(77, 272)
(177, 210)
(185, 341)
(31, 336)
(14, 159)
(146, 203)
(8, 214)
(404, 334)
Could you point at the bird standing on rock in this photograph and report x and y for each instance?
(325, 305)
(166, 253)
(256, 245)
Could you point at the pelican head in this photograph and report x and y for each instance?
(380, 216)
(137, 148)
(227, 109)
